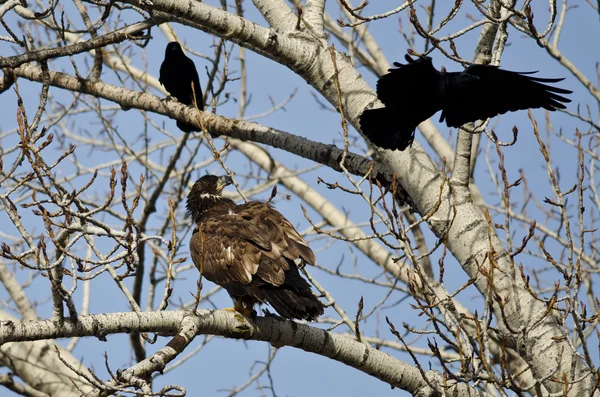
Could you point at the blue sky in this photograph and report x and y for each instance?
(223, 364)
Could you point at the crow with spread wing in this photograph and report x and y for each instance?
(414, 92)
(177, 73)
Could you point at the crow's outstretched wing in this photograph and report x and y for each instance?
(483, 91)
(416, 91)
(411, 94)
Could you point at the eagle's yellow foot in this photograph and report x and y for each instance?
(240, 308)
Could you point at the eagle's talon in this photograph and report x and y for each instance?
(248, 313)
(242, 319)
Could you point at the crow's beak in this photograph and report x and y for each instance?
(223, 181)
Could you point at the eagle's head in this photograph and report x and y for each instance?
(206, 193)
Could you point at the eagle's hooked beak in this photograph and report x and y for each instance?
(223, 181)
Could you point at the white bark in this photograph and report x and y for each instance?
(274, 330)
(37, 363)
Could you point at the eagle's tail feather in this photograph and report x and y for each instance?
(294, 299)
(294, 304)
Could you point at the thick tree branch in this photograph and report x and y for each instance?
(277, 13)
(313, 15)
(275, 330)
(328, 155)
(38, 366)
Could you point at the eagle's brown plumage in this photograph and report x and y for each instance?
(251, 250)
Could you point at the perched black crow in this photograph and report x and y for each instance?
(177, 73)
(416, 91)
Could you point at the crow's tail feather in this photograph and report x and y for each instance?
(186, 127)
(385, 128)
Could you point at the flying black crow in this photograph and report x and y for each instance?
(177, 73)
(251, 250)
(416, 91)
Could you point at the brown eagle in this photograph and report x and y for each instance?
(251, 250)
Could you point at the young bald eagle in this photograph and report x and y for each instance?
(251, 250)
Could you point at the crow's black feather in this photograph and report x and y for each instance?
(416, 91)
(177, 73)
